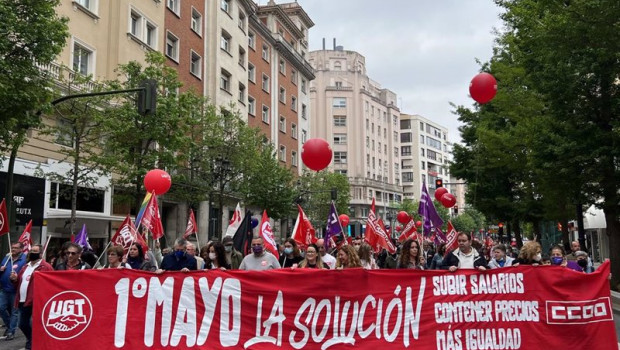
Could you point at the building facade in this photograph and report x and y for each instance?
(360, 120)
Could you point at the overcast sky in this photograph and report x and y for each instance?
(423, 50)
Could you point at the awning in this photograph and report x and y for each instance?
(82, 216)
(594, 218)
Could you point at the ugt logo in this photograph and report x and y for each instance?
(66, 315)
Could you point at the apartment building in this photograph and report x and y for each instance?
(360, 120)
(425, 153)
(103, 34)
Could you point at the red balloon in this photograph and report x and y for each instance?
(344, 219)
(158, 181)
(440, 192)
(403, 217)
(418, 223)
(316, 154)
(483, 88)
(448, 200)
(398, 228)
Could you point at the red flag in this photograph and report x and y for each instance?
(266, 234)
(151, 219)
(4, 219)
(234, 222)
(409, 231)
(191, 225)
(127, 234)
(303, 232)
(26, 237)
(376, 234)
(451, 242)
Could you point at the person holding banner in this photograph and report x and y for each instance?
(13, 261)
(364, 252)
(259, 259)
(410, 255)
(347, 257)
(115, 256)
(312, 260)
(438, 257)
(178, 260)
(328, 260)
(23, 283)
(217, 257)
(200, 262)
(291, 257)
(73, 259)
(464, 257)
(530, 254)
(500, 259)
(135, 258)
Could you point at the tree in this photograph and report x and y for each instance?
(569, 51)
(314, 194)
(31, 36)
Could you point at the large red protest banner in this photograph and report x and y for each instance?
(511, 308)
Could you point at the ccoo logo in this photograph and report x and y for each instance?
(66, 315)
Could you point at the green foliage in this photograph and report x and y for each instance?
(314, 190)
(469, 221)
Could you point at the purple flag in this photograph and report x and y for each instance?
(440, 237)
(82, 239)
(428, 212)
(334, 228)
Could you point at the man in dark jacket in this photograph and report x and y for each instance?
(24, 284)
(11, 262)
(465, 257)
(178, 259)
(73, 259)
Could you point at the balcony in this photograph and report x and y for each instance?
(63, 75)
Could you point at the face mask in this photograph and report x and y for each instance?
(212, 256)
(556, 260)
(356, 247)
(257, 249)
(228, 248)
(538, 257)
(583, 263)
(288, 250)
(179, 253)
(34, 256)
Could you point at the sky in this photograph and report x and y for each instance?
(423, 50)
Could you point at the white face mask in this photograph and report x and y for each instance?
(212, 256)
(538, 257)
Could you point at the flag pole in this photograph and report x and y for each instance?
(102, 254)
(47, 242)
(8, 235)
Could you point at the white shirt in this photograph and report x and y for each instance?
(23, 287)
(329, 260)
(466, 261)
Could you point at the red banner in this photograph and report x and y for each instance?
(511, 308)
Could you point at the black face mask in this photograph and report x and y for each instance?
(583, 263)
(34, 256)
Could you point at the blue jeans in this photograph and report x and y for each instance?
(8, 311)
(25, 318)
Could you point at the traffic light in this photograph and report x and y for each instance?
(456, 210)
(500, 230)
(147, 97)
(438, 183)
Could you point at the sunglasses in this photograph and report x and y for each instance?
(71, 253)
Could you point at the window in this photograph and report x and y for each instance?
(251, 105)
(338, 85)
(242, 93)
(136, 24)
(423, 165)
(151, 35)
(282, 125)
(251, 40)
(265, 84)
(173, 5)
(265, 53)
(294, 130)
(225, 5)
(282, 67)
(433, 143)
(294, 103)
(63, 136)
(408, 177)
(88, 199)
(225, 41)
(225, 80)
(422, 152)
(367, 141)
(340, 120)
(340, 139)
(422, 126)
(196, 21)
(251, 73)
(405, 124)
(265, 115)
(242, 21)
(88, 4)
(304, 136)
(172, 46)
(282, 153)
(82, 59)
(293, 158)
(339, 102)
(294, 77)
(196, 64)
(405, 137)
(337, 65)
(395, 151)
(422, 139)
(241, 57)
(303, 85)
(142, 29)
(282, 95)
(340, 157)
(304, 111)
(395, 136)
(405, 151)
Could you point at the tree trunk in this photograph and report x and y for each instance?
(4, 246)
(582, 231)
(518, 237)
(74, 189)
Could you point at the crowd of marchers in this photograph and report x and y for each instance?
(17, 267)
